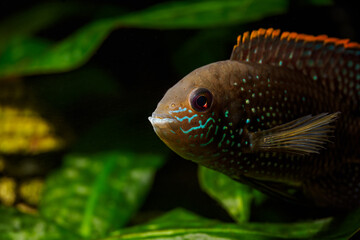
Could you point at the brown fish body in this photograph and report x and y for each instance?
(269, 126)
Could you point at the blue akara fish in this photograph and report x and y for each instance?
(282, 115)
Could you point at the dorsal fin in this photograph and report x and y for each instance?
(292, 50)
(333, 62)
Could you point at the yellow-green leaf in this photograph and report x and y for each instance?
(23, 127)
(15, 226)
(234, 197)
(180, 225)
(92, 195)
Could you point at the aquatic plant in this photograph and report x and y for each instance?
(86, 127)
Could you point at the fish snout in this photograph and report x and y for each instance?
(163, 125)
(161, 120)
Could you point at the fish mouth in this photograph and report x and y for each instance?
(160, 119)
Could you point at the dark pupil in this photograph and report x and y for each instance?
(201, 101)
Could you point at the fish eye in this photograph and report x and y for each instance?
(201, 99)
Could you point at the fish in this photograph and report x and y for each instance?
(281, 115)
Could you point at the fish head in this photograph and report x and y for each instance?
(188, 115)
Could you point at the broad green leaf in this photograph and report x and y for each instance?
(180, 225)
(15, 226)
(66, 55)
(235, 197)
(92, 195)
(20, 47)
(202, 14)
(342, 226)
(76, 49)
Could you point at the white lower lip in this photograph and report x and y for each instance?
(158, 121)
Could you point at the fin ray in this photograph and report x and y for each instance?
(302, 136)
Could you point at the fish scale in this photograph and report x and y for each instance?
(281, 115)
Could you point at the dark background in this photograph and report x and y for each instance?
(144, 64)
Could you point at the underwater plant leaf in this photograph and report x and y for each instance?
(20, 47)
(342, 227)
(180, 224)
(77, 48)
(234, 197)
(95, 194)
(202, 14)
(66, 55)
(15, 225)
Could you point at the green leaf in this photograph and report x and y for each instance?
(342, 227)
(180, 224)
(234, 197)
(20, 50)
(76, 49)
(64, 56)
(93, 195)
(15, 225)
(201, 14)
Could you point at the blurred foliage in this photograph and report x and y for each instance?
(7, 191)
(27, 56)
(31, 190)
(235, 197)
(181, 224)
(22, 128)
(16, 225)
(98, 193)
(103, 181)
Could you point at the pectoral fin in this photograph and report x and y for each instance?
(305, 135)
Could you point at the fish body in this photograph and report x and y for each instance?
(281, 115)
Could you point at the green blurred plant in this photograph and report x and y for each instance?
(93, 195)
(235, 197)
(24, 55)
